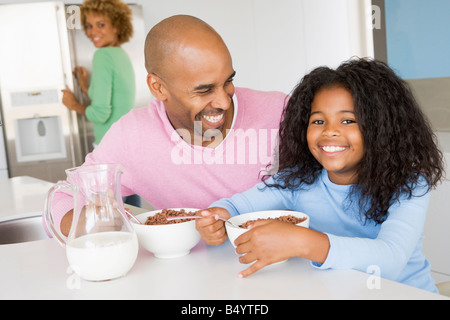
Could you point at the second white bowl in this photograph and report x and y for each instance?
(234, 233)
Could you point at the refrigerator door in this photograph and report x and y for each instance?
(41, 133)
(39, 139)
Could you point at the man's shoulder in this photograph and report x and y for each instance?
(139, 123)
(149, 115)
(152, 109)
(256, 95)
(260, 107)
(271, 99)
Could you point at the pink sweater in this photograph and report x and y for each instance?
(170, 173)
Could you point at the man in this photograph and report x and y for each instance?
(201, 139)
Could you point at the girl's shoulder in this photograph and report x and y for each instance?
(419, 188)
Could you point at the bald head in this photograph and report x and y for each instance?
(172, 36)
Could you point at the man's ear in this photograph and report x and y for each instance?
(156, 87)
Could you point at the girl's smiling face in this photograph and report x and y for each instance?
(333, 135)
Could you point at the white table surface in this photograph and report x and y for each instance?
(39, 270)
(22, 197)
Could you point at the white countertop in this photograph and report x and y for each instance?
(22, 197)
(39, 270)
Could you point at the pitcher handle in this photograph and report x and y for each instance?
(56, 233)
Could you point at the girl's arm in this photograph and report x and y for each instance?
(269, 242)
(257, 198)
(391, 251)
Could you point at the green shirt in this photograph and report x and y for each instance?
(112, 89)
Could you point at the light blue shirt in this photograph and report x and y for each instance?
(394, 248)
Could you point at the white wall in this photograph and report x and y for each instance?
(437, 237)
(265, 38)
(275, 43)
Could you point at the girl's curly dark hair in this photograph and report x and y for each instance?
(117, 11)
(399, 144)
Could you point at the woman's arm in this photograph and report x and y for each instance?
(100, 90)
(72, 103)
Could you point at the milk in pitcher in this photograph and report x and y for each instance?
(103, 256)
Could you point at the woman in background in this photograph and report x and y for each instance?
(107, 23)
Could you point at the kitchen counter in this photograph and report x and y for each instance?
(22, 197)
(39, 270)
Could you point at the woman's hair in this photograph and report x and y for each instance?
(118, 13)
(399, 145)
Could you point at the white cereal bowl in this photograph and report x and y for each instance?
(234, 232)
(167, 241)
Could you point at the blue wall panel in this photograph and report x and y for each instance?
(418, 38)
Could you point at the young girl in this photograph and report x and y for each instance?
(357, 155)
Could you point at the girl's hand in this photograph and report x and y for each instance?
(267, 242)
(212, 230)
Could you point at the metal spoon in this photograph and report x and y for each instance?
(199, 217)
(132, 216)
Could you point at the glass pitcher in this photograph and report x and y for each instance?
(101, 244)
